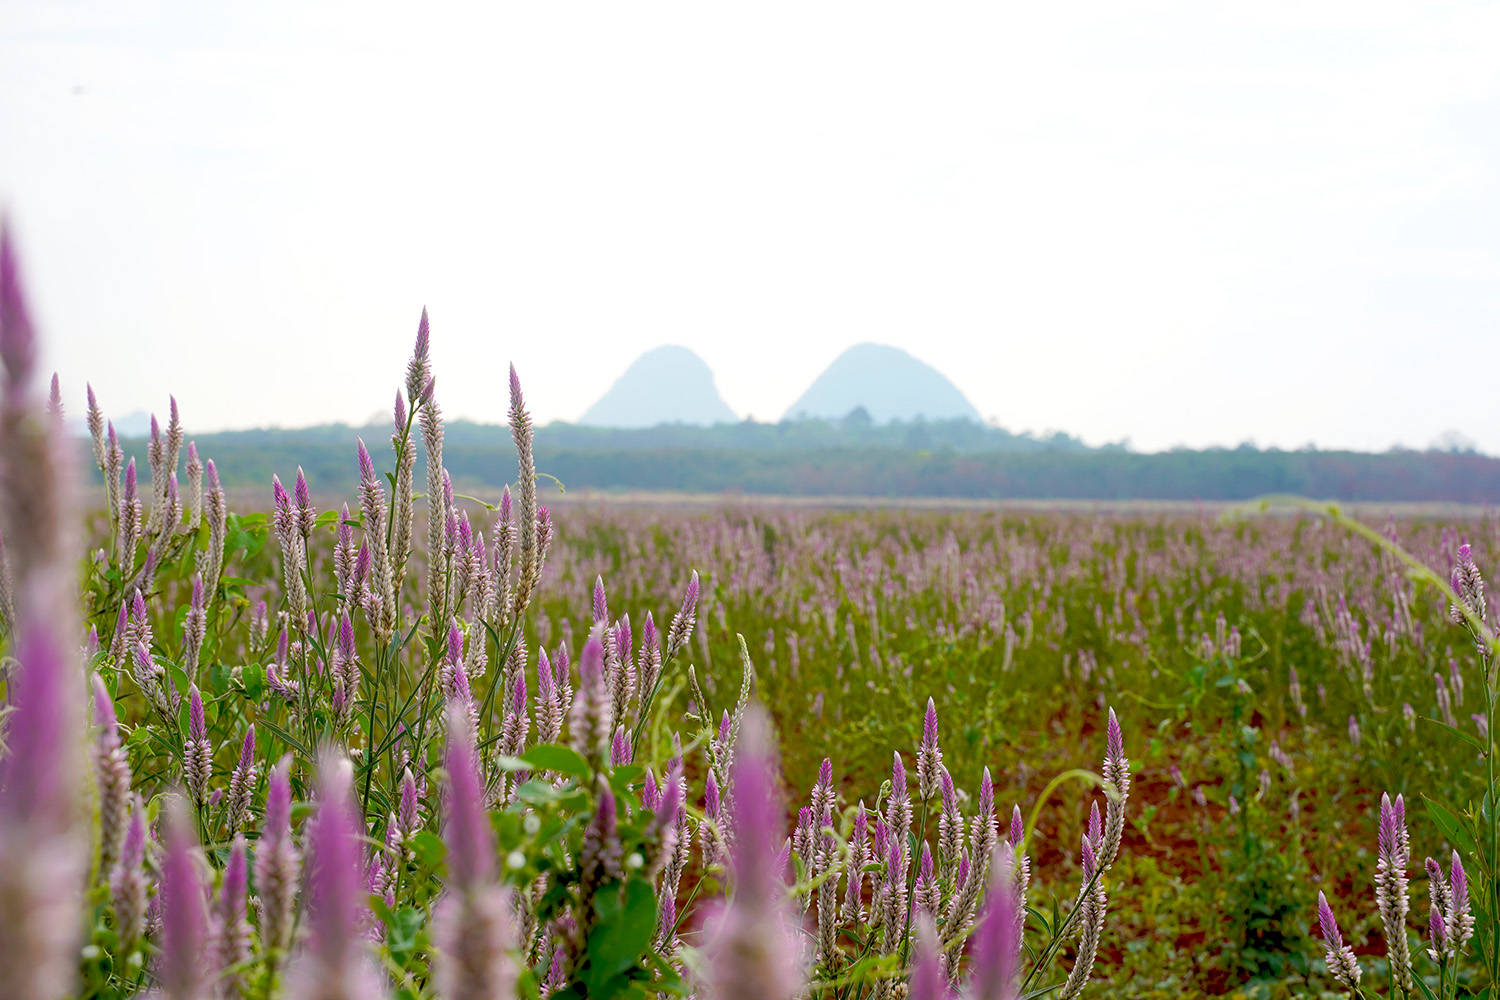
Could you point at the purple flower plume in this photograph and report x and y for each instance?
(335, 966)
(619, 753)
(419, 368)
(408, 816)
(231, 928)
(43, 850)
(472, 924)
(277, 864)
(128, 884)
(471, 842)
(650, 792)
(111, 775)
(104, 710)
(184, 912)
(17, 336)
(751, 952)
(1342, 964)
(43, 855)
(1462, 922)
(681, 629)
(601, 606)
(927, 979)
(929, 756)
(996, 944)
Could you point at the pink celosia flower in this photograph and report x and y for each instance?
(277, 865)
(472, 924)
(995, 946)
(751, 954)
(184, 927)
(1342, 964)
(335, 965)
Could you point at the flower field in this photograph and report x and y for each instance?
(413, 743)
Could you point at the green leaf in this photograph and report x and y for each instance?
(285, 737)
(621, 778)
(254, 678)
(1474, 741)
(505, 763)
(621, 938)
(628, 774)
(538, 793)
(1451, 825)
(550, 757)
(428, 847)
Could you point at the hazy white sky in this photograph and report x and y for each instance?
(1178, 222)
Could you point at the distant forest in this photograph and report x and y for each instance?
(854, 457)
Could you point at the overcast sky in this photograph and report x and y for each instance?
(1181, 223)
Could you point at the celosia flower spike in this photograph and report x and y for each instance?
(197, 751)
(1091, 903)
(472, 924)
(1461, 918)
(1391, 888)
(681, 629)
(471, 848)
(619, 753)
(995, 945)
(242, 782)
(184, 915)
(277, 865)
(1468, 585)
(43, 853)
(419, 368)
(927, 979)
(112, 775)
(750, 953)
(1117, 789)
(1342, 964)
(601, 606)
(231, 927)
(929, 755)
(334, 966)
(408, 816)
(128, 884)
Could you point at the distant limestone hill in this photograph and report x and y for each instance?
(668, 385)
(887, 383)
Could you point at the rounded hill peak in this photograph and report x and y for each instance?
(666, 385)
(887, 383)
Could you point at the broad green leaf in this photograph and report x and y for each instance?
(428, 847)
(621, 938)
(1474, 741)
(551, 757)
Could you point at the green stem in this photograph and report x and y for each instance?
(370, 734)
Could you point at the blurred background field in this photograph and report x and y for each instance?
(1023, 623)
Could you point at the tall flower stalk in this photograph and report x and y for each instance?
(335, 965)
(751, 952)
(43, 849)
(473, 925)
